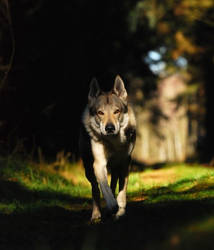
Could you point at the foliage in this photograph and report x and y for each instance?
(111, 39)
(174, 23)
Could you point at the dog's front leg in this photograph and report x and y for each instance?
(88, 162)
(100, 170)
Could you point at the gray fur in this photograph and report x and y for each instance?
(103, 149)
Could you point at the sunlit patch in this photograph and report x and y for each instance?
(170, 183)
(160, 177)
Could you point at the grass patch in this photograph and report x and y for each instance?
(45, 204)
(28, 186)
(172, 183)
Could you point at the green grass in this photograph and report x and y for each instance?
(50, 185)
(29, 186)
(44, 204)
(173, 183)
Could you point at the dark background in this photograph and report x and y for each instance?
(60, 46)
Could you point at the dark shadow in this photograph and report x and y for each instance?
(138, 166)
(10, 190)
(39, 226)
(146, 226)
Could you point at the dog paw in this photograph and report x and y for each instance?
(112, 207)
(95, 221)
(120, 213)
(111, 211)
(96, 216)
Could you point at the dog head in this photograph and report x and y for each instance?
(108, 110)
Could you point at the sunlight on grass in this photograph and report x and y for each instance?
(180, 182)
(180, 196)
(51, 185)
(59, 182)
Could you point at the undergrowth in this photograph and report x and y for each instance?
(26, 186)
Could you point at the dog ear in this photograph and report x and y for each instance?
(94, 90)
(119, 88)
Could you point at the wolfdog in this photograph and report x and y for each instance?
(106, 142)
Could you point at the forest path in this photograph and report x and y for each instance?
(166, 225)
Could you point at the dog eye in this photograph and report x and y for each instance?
(117, 111)
(99, 112)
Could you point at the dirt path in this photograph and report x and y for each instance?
(177, 225)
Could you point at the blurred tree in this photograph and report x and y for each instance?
(183, 42)
(56, 56)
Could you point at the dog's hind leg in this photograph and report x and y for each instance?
(121, 197)
(114, 179)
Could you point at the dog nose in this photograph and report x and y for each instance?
(109, 128)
